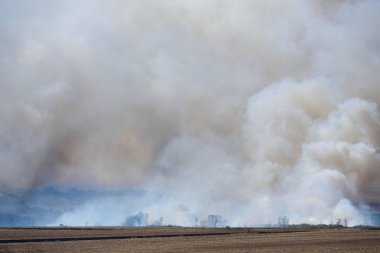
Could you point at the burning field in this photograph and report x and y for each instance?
(190, 113)
(176, 239)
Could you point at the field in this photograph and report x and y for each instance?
(177, 239)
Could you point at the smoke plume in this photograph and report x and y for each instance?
(246, 109)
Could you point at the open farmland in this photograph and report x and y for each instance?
(176, 239)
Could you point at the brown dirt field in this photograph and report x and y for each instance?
(238, 240)
(64, 232)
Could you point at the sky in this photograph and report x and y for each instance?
(247, 109)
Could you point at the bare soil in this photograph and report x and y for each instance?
(177, 239)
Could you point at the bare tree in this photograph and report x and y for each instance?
(139, 219)
(283, 221)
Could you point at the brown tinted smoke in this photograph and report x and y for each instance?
(250, 109)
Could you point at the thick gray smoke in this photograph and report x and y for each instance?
(247, 109)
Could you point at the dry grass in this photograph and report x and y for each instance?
(240, 240)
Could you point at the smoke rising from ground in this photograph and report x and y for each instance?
(247, 109)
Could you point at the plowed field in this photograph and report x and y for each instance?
(176, 239)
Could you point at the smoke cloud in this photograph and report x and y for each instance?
(247, 109)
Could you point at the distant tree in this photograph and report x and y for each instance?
(158, 222)
(216, 221)
(139, 219)
(196, 221)
(283, 221)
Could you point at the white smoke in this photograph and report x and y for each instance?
(248, 109)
